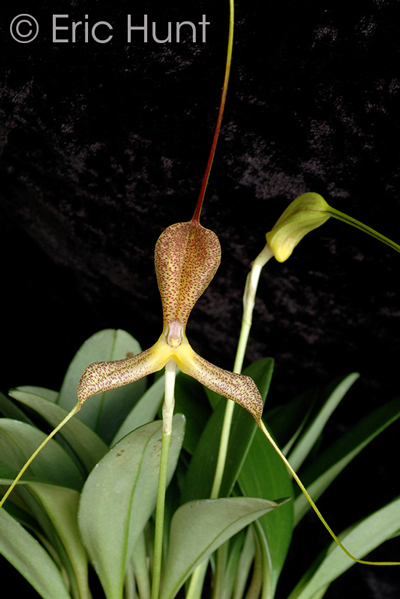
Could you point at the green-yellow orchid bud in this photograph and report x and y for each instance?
(305, 213)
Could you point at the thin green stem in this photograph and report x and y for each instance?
(129, 586)
(249, 299)
(314, 507)
(220, 569)
(245, 564)
(38, 450)
(223, 449)
(248, 307)
(256, 583)
(140, 568)
(168, 411)
(195, 589)
(355, 223)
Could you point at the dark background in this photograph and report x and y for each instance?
(103, 146)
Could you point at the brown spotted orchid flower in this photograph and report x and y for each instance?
(186, 258)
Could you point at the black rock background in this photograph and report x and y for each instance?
(104, 145)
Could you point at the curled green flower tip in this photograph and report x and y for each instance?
(305, 213)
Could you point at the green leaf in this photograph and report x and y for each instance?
(360, 539)
(30, 559)
(198, 528)
(140, 568)
(245, 564)
(213, 397)
(144, 411)
(287, 421)
(60, 506)
(10, 410)
(332, 396)
(119, 497)
(18, 441)
(201, 471)
(88, 446)
(104, 412)
(232, 564)
(41, 391)
(319, 475)
(191, 400)
(244, 427)
(265, 475)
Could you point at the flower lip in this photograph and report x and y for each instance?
(174, 333)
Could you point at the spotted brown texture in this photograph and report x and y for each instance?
(104, 376)
(237, 387)
(187, 257)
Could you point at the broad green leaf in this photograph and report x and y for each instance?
(198, 528)
(144, 411)
(244, 427)
(41, 391)
(105, 412)
(30, 559)
(265, 475)
(60, 506)
(213, 397)
(10, 410)
(201, 471)
(320, 593)
(21, 515)
(119, 497)
(332, 396)
(191, 400)
(319, 475)
(360, 539)
(18, 441)
(88, 446)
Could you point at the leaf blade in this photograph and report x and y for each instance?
(264, 474)
(334, 395)
(318, 476)
(18, 441)
(359, 539)
(85, 443)
(30, 559)
(198, 528)
(126, 477)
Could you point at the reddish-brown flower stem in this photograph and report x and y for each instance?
(196, 215)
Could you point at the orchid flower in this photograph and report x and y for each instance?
(187, 257)
(306, 213)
